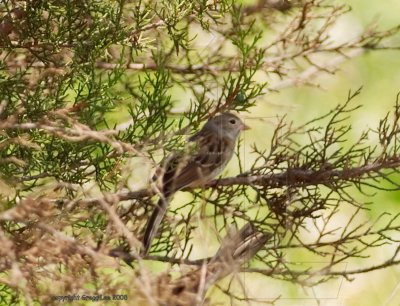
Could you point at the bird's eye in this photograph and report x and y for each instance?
(233, 121)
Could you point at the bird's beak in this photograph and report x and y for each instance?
(244, 127)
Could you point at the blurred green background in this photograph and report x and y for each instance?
(378, 73)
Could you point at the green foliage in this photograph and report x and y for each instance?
(92, 92)
(71, 42)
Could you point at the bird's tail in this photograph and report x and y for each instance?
(154, 223)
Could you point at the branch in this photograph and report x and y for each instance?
(237, 248)
(291, 177)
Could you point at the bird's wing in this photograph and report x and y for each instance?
(180, 172)
(198, 163)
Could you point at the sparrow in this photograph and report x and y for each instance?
(209, 152)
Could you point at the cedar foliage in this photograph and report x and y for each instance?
(89, 90)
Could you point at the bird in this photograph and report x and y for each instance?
(204, 158)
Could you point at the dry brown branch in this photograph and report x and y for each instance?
(74, 179)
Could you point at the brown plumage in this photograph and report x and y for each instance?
(211, 149)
